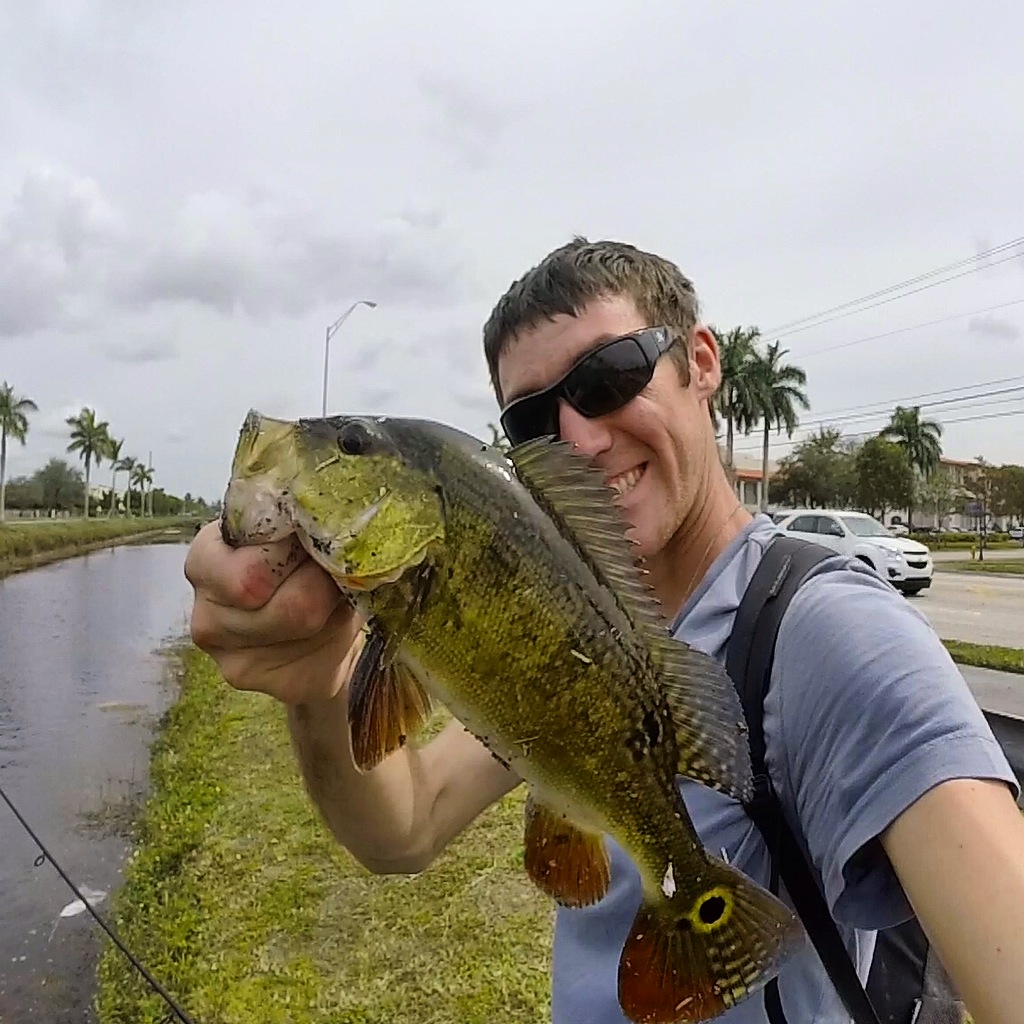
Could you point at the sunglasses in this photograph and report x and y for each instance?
(601, 382)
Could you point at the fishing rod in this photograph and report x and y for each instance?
(176, 1011)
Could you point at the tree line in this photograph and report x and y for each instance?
(61, 486)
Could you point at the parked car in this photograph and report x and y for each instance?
(1016, 533)
(906, 564)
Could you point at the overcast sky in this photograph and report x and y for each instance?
(191, 192)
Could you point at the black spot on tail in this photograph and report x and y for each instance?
(712, 909)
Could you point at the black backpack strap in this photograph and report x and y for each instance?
(783, 567)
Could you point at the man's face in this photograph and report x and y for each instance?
(655, 449)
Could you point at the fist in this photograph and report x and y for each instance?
(270, 617)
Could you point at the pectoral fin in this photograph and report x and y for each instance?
(387, 703)
(564, 861)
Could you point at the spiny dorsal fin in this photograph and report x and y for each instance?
(707, 714)
(573, 493)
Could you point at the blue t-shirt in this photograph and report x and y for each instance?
(865, 713)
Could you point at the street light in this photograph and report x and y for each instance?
(331, 331)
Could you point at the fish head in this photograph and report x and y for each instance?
(364, 511)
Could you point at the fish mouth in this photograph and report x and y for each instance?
(256, 511)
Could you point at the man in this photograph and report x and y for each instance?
(876, 747)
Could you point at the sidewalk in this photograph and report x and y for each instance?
(1001, 692)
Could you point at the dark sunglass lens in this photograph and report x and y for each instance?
(529, 418)
(609, 379)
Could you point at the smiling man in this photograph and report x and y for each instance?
(880, 756)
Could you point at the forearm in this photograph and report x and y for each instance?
(959, 853)
(401, 815)
(379, 816)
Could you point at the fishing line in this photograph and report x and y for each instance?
(176, 1010)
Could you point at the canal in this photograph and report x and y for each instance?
(84, 678)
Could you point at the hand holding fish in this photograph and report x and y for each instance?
(271, 618)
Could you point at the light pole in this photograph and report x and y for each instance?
(331, 331)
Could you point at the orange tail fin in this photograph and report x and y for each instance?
(691, 959)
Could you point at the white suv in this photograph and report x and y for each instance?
(906, 564)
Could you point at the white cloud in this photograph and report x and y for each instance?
(189, 194)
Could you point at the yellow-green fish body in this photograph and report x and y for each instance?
(504, 588)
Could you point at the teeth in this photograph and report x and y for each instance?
(627, 481)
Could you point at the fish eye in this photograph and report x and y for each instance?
(354, 438)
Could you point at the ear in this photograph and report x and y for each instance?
(705, 362)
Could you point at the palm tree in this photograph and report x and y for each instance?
(128, 464)
(735, 398)
(90, 439)
(125, 465)
(920, 441)
(14, 410)
(778, 391)
(114, 455)
(141, 475)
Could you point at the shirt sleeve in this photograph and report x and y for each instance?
(866, 713)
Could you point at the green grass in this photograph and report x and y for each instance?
(1005, 659)
(246, 911)
(23, 544)
(1013, 566)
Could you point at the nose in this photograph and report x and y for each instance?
(591, 437)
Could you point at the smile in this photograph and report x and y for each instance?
(625, 482)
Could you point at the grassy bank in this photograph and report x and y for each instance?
(1003, 659)
(246, 911)
(24, 545)
(1006, 566)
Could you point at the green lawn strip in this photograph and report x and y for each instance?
(243, 907)
(1003, 659)
(25, 544)
(1006, 566)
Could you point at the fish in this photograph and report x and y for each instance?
(502, 585)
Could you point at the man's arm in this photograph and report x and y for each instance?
(901, 790)
(959, 854)
(398, 817)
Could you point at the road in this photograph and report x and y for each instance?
(980, 609)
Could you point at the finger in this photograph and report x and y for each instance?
(299, 608)
(245, 577)
(295, 672)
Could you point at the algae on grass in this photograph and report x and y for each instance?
(245, 908)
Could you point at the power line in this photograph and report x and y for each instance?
(787, 327)
(893, 402)
(892, 298)
(793, 441)
(904, 330)
(885, 409)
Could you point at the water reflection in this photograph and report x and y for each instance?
(81, 683)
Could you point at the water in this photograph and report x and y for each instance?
(82, 683)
